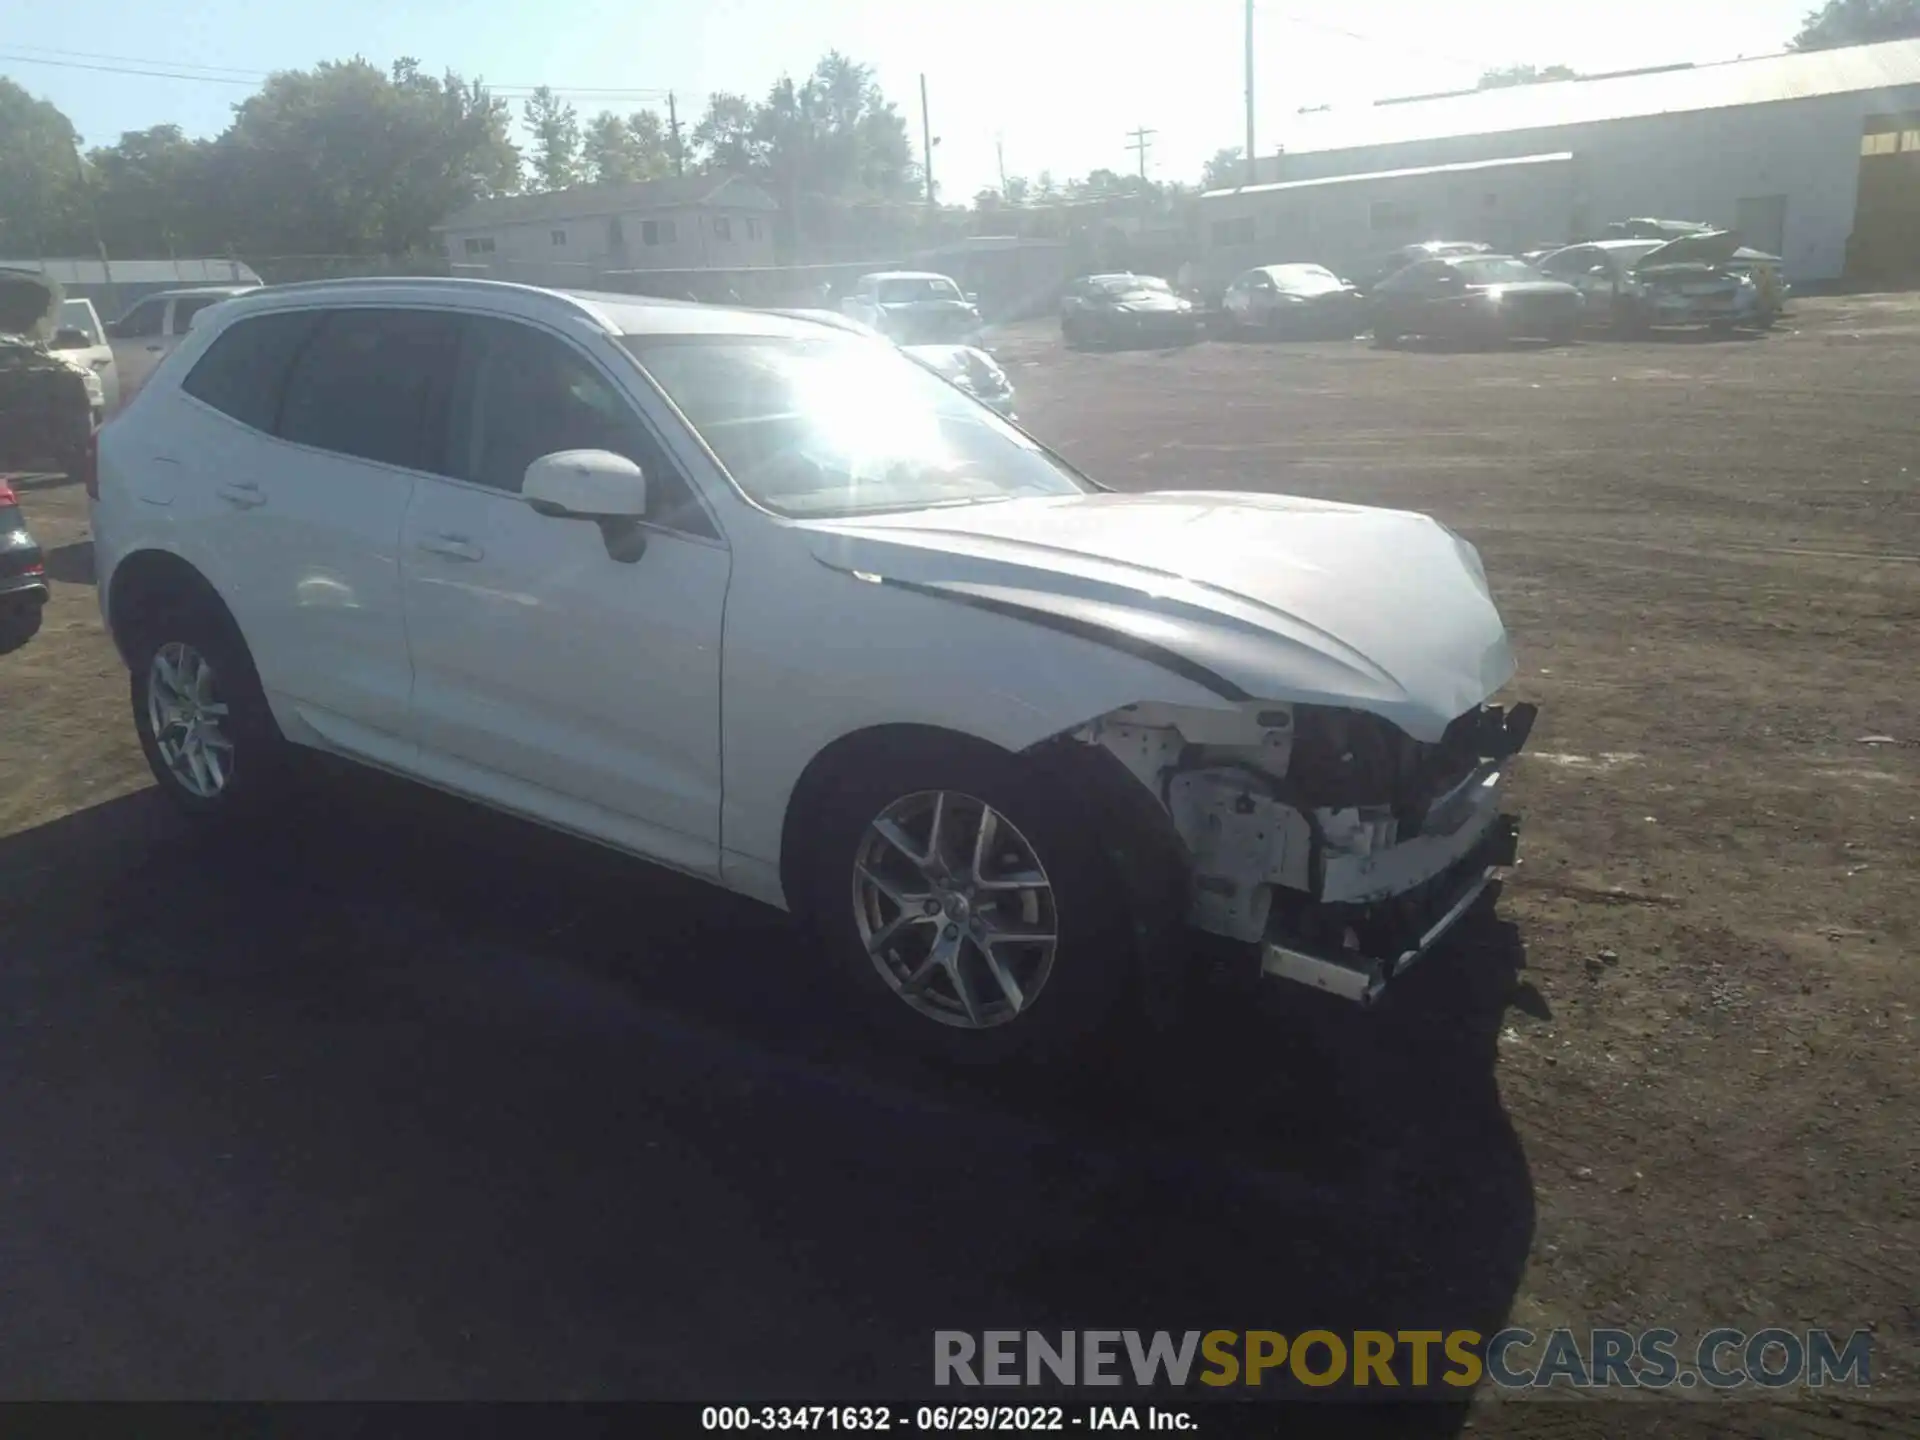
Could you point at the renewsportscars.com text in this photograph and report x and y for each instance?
(1513, 1359)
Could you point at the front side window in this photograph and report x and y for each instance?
(369, 383)
(242, 373)
(521, 394)
(840, 426)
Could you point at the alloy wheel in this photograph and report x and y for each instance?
(955, 909)
(188, 720)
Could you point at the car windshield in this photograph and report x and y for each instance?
(1304, 279)
(908, 289)
(78, 315)
(832, 427)
(1497, 270)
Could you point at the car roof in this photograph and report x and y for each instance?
(614, 312)
(188, 291)
(1475, 255)
(905, 275)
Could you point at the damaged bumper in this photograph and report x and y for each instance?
(1357, 961)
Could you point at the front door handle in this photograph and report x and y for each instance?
(244, 494)
(451, 547)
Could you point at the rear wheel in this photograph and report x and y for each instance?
(1386, 336)
(969, 912)
(202, 718)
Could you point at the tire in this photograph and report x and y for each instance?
(1564, 333)
(243, 760)
(1069, 991)
(1070, 335)
(19, 623)
(1385, 336)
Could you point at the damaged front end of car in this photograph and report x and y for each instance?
(1326, 845)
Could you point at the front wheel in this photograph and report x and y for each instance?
(202, 718)
(967, 909)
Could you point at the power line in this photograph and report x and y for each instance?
(161, 70)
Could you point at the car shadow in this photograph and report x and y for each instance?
(71, 564)
(536, 1118)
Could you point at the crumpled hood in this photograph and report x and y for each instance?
(1257, 596)
(1150, 302)
(29, 301)
(1709, 247)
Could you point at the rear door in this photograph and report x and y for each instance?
(325, 421)
(555, 672)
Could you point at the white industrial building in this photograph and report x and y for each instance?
(1814, 157)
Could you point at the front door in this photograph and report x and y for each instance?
(551, 675)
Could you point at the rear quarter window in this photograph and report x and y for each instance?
(373, 383)
(243, 372)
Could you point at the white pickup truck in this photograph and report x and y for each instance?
(83, 339)
(147, 333)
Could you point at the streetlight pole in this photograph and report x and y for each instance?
(1253, 166)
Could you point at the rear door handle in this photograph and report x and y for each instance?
(451, 547)
(244, 494)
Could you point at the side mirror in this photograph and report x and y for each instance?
(70, 338)
(586, 485)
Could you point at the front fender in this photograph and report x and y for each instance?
(811, 658)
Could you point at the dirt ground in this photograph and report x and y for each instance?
(1676, 1085)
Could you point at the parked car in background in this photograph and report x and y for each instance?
(1631, 286)
(47, 401)
(972, 369)
(1394, 261)
(1125, 308)
(1475, 298)
(982, 734)
(913, 307)
(1294, 300)
(148, 333)
(23, 574)
(83, 339)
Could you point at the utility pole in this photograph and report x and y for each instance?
(673, 129)
(1253, 166)
(1000, 155)
(926, 139)
(1141, 142)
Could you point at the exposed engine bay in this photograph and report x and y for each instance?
(1334, 842)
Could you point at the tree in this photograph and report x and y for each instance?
(634, 148)
(345, 159)
(723, 140)
(1506, 75)
(1225, 170)
(153, 194)
(1858, 22)
(40, 176)
(1016, 190)
(555, 126)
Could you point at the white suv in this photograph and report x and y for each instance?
(773, 605)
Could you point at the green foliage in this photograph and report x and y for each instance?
(1226, 169)
(1858, 22)
(555, 127)
(40, 173)
(615, 149)
(833, 134)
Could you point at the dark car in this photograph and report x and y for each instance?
(1385, 267)
(1478, 298)
(23, 575)
(1125, 308)
(1699, 277)
(1294, 300)
(46, 400)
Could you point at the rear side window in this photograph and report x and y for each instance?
(143, 320)
(245, 369)
(373, 383)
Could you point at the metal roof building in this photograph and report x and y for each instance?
(1785, 148)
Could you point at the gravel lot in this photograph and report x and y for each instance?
(413, 1101)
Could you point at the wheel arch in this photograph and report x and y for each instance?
(146, 577)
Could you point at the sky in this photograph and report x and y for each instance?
(1046, 85)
